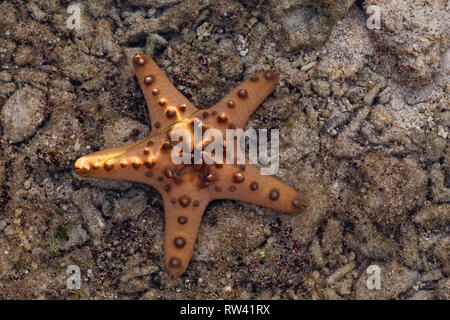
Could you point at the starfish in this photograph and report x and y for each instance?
(186, 190)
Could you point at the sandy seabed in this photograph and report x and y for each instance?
(363, 114)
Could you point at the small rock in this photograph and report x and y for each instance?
(371, 95)
(338, 90)
(433, 216)
(5, 76)
(444, 118)
(431, 275)
(104, 43)
(77, 236)
(24, 55)
(308, 24)
(23, 113)
(316, 253)
(139, 272)
(410, 251)
(3, 225)
(27, 184)
(204, 30)
(336, 121)
(9, 231)
(91, 215)
(252, 22)
(339, 273)
(154, 42)
(367, 241)
(332, 236)
(321, 87)
(355, 95)
(227, 289)
(392, 194)
(231, 67)
(441, 253)
(384, 95)
(434, 147)
(36, 12)
(308, 66)
(330, 294)
(134, 285)
(439, 190)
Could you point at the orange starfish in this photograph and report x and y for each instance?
(187, 189)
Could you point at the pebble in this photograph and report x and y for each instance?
(371, 95)
(77, 146)
(308, 66)
(336, 121)
(23, 113)
(322, 88)
(431, 275)
(444, 118)
(342, 271)
(27, 184)
(3, 225)
(204, 30)
(433, 216)
(227, 289)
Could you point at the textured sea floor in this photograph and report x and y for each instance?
(364, 116)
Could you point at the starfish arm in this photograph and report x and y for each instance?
(127, 163)
(235, 109)
(255, 188)
(164, 102)
(182, 224)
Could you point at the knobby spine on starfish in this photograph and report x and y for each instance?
(187, 189)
